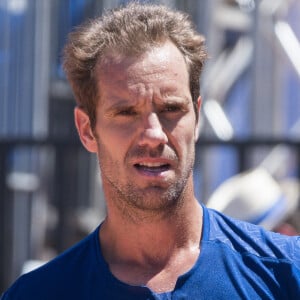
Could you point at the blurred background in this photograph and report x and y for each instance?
(248, 152)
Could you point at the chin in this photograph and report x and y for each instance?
(156, 199)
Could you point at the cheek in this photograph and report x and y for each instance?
(184, 130)
(182, 139)
(111, 135)
(113, 143)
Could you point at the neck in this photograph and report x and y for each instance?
(156, 243)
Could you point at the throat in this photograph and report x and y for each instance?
(159, 278)
(153, 254)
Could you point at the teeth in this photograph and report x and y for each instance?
(151, 165)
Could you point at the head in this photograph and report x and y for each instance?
(128, 31)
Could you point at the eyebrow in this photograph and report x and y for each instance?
(166, 97)
(173, 93)
(174, 99)
(119, 105)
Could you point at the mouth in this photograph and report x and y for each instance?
(153, 167)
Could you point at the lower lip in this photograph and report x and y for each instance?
(153, 172)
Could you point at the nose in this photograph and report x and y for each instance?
(153, 133)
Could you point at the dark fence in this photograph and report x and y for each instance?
(55, 170)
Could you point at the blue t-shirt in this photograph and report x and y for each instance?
(237, 260)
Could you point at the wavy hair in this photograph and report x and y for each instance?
(128, 31)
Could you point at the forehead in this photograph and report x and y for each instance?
(160, 67)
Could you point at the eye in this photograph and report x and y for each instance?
(126, 112)
(172, 108)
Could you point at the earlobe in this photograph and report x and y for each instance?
(84, 130)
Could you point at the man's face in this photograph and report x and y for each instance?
(145, 128)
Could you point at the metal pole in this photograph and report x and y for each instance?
(5, 222)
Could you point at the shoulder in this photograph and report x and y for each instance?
(63, 273)
(246, 253)
(247, 238)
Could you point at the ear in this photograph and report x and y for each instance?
(198, 125)
(83, 125)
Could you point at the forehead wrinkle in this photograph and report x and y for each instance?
(143, 93)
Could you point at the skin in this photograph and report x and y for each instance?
(144, 138)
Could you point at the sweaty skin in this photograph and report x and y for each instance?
(145, 142)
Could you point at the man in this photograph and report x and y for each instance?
(135, 76)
